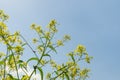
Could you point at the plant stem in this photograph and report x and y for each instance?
(5, 63)
(29, 46)
(12, 55)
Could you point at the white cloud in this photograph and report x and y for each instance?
(21, 72)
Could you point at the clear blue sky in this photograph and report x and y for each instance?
(94, 23)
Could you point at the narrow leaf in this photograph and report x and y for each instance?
(72, 58)
(11, 77)
(33, 58)
(67, 76)
(41, 72)
(47, 55)
(52, 48)
(1, 62)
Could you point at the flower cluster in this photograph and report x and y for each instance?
(72, 69)
(52, 26)
(3, 16)
(45, 46)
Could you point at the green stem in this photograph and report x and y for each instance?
(15, 65)
(45, 47)
(29, 46)
(12, 55)
(66, 68)
(5, 63)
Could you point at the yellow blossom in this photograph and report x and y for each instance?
(73, 71)
(42, 62)
(60, 43)
(40, 48)
(84, 72)
(80, 49)
(17, 33)
(2, 54)
(52, 26)
(19, 41)
(25, 77)
(38, 29)
(3, 26)
(8, 78)
(3, 16)
(58, 67)
(52, 23)
(53, 64)
(47, 34)
(18, 48)
(67, 37)
(88, 58)
(34, 40)
(33, 26)
(11, 63)
(48, 76)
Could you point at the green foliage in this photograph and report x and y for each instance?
(10, 60)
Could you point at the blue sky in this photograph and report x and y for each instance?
(94, 23)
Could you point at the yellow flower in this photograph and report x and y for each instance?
(8, 78)
(47, 34)
(84, 72)
(3, 26)
(33, 26)
(88, 58)
(58, 67)
(17, 33)
(80, 49)
(70, 63)
(38, 29)
(48, 76)
(3, 16)
(67, 37)
(19, 41)
(25, 77)
(52, 23)
(1, 12)
(60, 43)
(18, 49)
(54, 30)
(11, 39)
(11, 63)
(52, 26)
(40, 48)
(74, 72)
(34, 40)
(2, 54)
(42, 62)
(53, 64)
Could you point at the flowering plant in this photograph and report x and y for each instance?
(10, 61)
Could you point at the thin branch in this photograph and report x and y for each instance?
(29, 46)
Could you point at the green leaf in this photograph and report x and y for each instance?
(72, 57)
(22, 65)
(67, 76)
(11, 77)
(31, 59)
(24, 44)
(52, 48)
(56, 72)
(20, 61)
(47, 55)
(1, 62)
(41, 72)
